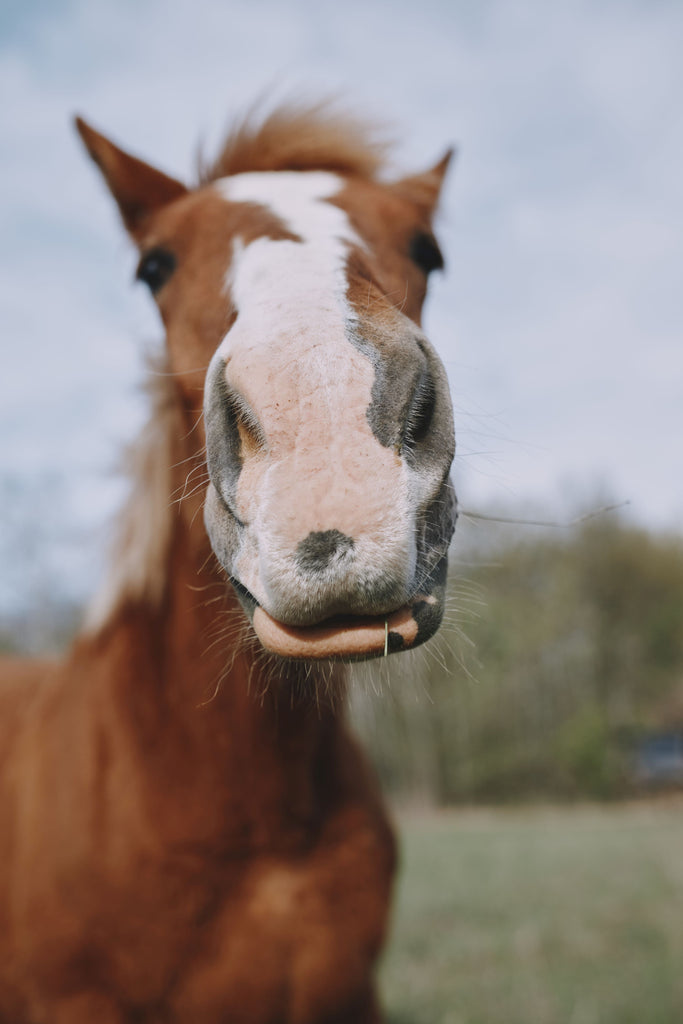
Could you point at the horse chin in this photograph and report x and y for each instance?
(349, 638)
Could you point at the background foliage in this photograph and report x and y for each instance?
(562, 651)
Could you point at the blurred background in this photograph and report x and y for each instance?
(534, 751)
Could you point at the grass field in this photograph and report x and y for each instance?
(539, 916)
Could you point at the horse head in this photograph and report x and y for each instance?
(291, 290)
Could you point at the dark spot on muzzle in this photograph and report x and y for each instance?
(315, 553)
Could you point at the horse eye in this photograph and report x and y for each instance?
(155, 268)
(425, 253)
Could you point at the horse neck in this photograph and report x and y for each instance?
(204, 708)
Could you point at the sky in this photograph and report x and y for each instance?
(559, 316)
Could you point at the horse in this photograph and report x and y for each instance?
(188, 830)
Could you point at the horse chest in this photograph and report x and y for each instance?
(280, 941)
(295, 944)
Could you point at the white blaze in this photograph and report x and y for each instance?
(290, 356)
(275, 283)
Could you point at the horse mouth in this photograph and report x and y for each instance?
(351, 637)
(342, 637)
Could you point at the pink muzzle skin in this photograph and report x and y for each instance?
(341, 638)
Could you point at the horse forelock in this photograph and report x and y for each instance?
(300, 137)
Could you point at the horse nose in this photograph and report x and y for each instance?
(320, 548)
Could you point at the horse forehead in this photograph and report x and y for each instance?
(298, 198)
(292, 291)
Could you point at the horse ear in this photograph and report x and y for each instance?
(138, 189)
(424, 189)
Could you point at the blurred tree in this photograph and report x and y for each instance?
(575, 649)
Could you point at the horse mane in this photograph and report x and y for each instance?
(137, 562)
(301, 137)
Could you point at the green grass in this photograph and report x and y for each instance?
(562, 916)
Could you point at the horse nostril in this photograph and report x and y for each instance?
(319, 548)
(420, 412)
(233, 432)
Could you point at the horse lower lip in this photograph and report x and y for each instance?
(340, 637)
